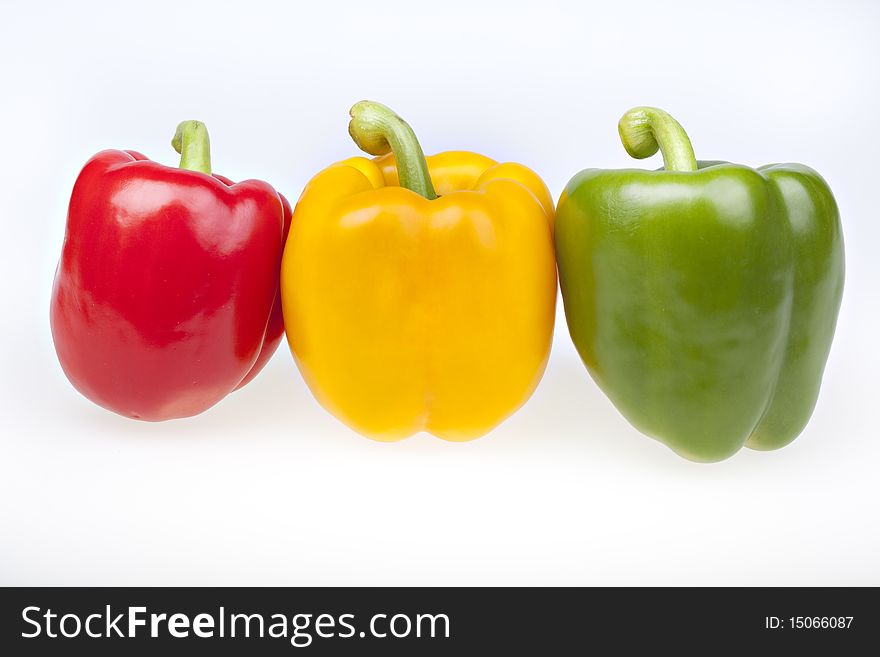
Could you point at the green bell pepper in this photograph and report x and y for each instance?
(701, 297)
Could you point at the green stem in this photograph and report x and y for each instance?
(376, 129)
(191, 141)
(644, 130)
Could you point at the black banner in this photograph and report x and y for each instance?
(438, 621)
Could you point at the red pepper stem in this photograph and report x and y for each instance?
(376, 129)
(644, 130)
(191, 141)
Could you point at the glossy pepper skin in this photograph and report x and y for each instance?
(166, 295)
(702, 301)
(406, 314)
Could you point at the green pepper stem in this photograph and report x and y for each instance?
(644, 130)
(191, 141)
(376, 129)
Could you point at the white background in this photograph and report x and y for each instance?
(267, 488)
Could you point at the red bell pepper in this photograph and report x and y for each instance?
(166, 295)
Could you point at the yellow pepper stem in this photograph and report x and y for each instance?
(376, 129)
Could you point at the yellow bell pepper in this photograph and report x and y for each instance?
(410, 312)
